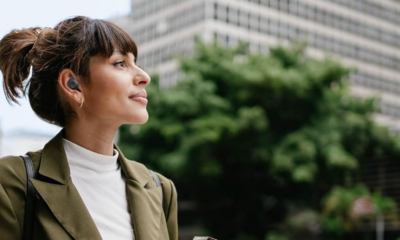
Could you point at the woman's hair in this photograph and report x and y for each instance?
(70, 45)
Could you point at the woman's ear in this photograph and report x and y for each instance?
(70, 86)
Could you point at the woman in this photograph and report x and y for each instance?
(84, 79)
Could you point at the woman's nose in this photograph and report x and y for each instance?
(141, 78)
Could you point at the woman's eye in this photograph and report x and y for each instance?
(119, 64)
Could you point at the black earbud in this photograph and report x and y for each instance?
(73, 84)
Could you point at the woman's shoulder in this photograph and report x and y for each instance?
(166, 183)
(144, 169)
(12, 169)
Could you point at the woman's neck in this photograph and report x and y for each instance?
(93, 137)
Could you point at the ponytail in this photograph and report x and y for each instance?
(15, 62)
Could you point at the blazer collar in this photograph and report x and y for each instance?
(133, 171)
(54, 163)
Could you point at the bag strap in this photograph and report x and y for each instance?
(30, 198)
(155, 178)
(158, 184)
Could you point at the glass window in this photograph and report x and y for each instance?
(311, 12)
(292, 32)
(283, 30)
(273, 4)
(263, 25)
(243, 19)
(301, 10)
(233, 16)
(254, 20)
(293, 7)
(273, 28)
(319, 41)
(329, 18)
(221, 13)
(337, 21)
(320, 15)
(264, 2)
(283, 6)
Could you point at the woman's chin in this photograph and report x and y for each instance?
(140, 119)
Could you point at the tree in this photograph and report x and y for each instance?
(250, 137)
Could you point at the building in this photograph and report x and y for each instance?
(361, 33)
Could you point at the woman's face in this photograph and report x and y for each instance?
(116, 94)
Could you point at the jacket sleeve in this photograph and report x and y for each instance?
(172, 212)
(9, 226)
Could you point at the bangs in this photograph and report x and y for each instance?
(80, 38)
(104, 37)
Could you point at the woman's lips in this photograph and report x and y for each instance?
(140, 99)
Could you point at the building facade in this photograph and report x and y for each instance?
(361, 33)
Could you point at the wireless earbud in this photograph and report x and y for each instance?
(73, 84)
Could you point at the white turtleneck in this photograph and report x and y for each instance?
(101, 185)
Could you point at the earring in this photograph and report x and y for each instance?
(81, 104)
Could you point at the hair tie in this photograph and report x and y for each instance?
(32, 53)
(39, 33)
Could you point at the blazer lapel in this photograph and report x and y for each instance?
(145, 199)
(55, 187)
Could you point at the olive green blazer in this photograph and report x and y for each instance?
(61, 214)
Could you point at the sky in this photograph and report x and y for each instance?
(17, 14)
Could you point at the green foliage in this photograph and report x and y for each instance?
(273, 235)
(246, 136)
(339, 207)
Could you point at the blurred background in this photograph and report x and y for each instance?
(276, 119)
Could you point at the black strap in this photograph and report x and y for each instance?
(30, 198)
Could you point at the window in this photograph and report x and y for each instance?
(283, 6)
(273, 28)
(222, 13)
(292, 32)
(283, 30)
(263, 25)
(233, 16)
(328, 18)
(301, 10)
(243, 19)
(254, 22)
(320, 16)
(264, 2)
(293, 7)
(273, 4)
